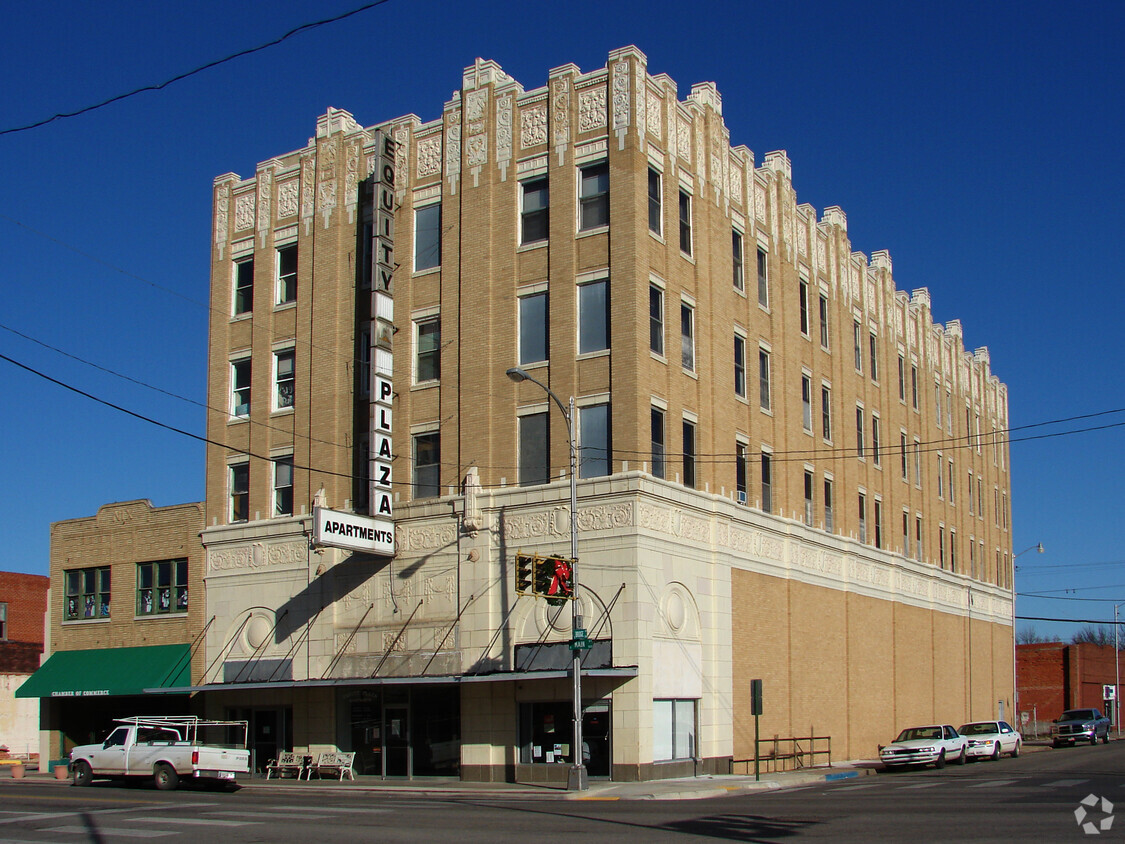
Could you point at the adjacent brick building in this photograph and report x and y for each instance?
(1054, 676)
(23, 604)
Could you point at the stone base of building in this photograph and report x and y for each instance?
(557, 774)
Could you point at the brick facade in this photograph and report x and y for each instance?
(1053, 676)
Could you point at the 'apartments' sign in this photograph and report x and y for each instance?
(357, 533)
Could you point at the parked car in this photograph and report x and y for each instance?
(932, 745)
(1077, 725)
(990, 739)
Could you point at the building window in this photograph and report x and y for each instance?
(917, 463)
(687, 336)
(286, 275)
(240, 387)
(658, 469)
(872, 345)
(970, 488)
(283, 379)
(535, 449)
(862, 517)
(803, 295)
(878, 523)
(283, 486)
(980, 498)
(972, 559)
(593, 196)
(823, 322)
(162, 587)
(806, 403)
(3, 622)
(767, 483)
(533, 328)
(763, 281)
(941, 546)
(655, 203)
(902, 450)
(826, 412)
(427, 465)
(739, 366)
(736, 259)
(940, 477)
(593, 317)
(427, 350)
(87, 593)
(918, 538)
(243, 286)
(937, 405)
(808, 498)
(427, 237)
(859, 446)
(914, 386)
(685, 222)
(239, 480)
(740, 484)
(689, 454)
(764, 379)
(594, 441)
(656, 319)
(673, 730)
(829, 523)
(534, 210)
(901, 379)
(857, 346)
(905, 533)
(876, 450)
(952, 495)
(952, 550)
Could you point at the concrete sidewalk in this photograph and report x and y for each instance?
(686, 788)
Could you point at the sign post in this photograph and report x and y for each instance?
(756, 710)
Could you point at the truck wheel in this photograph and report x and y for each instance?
(165, 777)
(82, 774)
(1094, 739)
(1105, 738)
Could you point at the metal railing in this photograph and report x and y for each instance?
(787, 754)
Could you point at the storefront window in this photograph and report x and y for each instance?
(673, 730)
(547, 732)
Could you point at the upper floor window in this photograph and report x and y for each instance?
(763, 379)
(283, 486)
(872, 342)
(826, 412)
(687, 336)
(859, 446)
(594, 441)
(914, 386)
(824, 322)
(243, 286)
(858, 346)
(593, 316)
(284, 379)
(3, 621)
(535, 449)
(739, 366)
(658, 448)
(162, 587)
(763, 281)
(593, 196)
(240, 387)
(427, 465)
(767, 482)
(806, 403)
(803, 294)
(534, 211)
(655, 202)
(689, 453)
(239, 482)
(87, 593)
(736, 259)
(427, 237)
(287, 274)
(427, 346)
(656, 319)
(533, 328)
(685, 222)
(901, 379)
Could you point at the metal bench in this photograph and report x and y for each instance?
(287, 763)
(335, 764)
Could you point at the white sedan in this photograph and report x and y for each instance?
(932, 745)
(991, 739)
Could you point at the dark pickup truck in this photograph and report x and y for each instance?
(1077, 725)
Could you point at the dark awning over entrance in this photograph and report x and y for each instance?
(111, 671)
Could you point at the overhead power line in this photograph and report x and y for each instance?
(187, 74)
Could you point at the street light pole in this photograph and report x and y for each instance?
(1117, 680)
(1038, 546)
(576, 776)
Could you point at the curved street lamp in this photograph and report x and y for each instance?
(576, 777)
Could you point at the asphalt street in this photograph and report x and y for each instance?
(1032, 798)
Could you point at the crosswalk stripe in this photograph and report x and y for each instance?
(854, 787)
(924, 785)
(104, 831)
(314, 814)
(992, 784)
(195, 821)
(1063, 783)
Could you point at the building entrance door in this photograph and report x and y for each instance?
(396, 741)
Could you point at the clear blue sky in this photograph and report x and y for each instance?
(978, 142)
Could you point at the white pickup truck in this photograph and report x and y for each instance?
(168, 749)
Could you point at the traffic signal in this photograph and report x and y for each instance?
(525, 574)
(554, 579)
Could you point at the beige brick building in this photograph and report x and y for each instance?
(124, 618)
(788, 471)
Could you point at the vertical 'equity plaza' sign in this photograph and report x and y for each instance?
(383, 309)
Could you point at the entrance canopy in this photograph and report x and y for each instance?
(104, 672)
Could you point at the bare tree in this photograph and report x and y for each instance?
(1031, 636)
(1100, 635)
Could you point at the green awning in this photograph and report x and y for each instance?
(110, 671)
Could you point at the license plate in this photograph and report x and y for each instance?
(225, 775)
